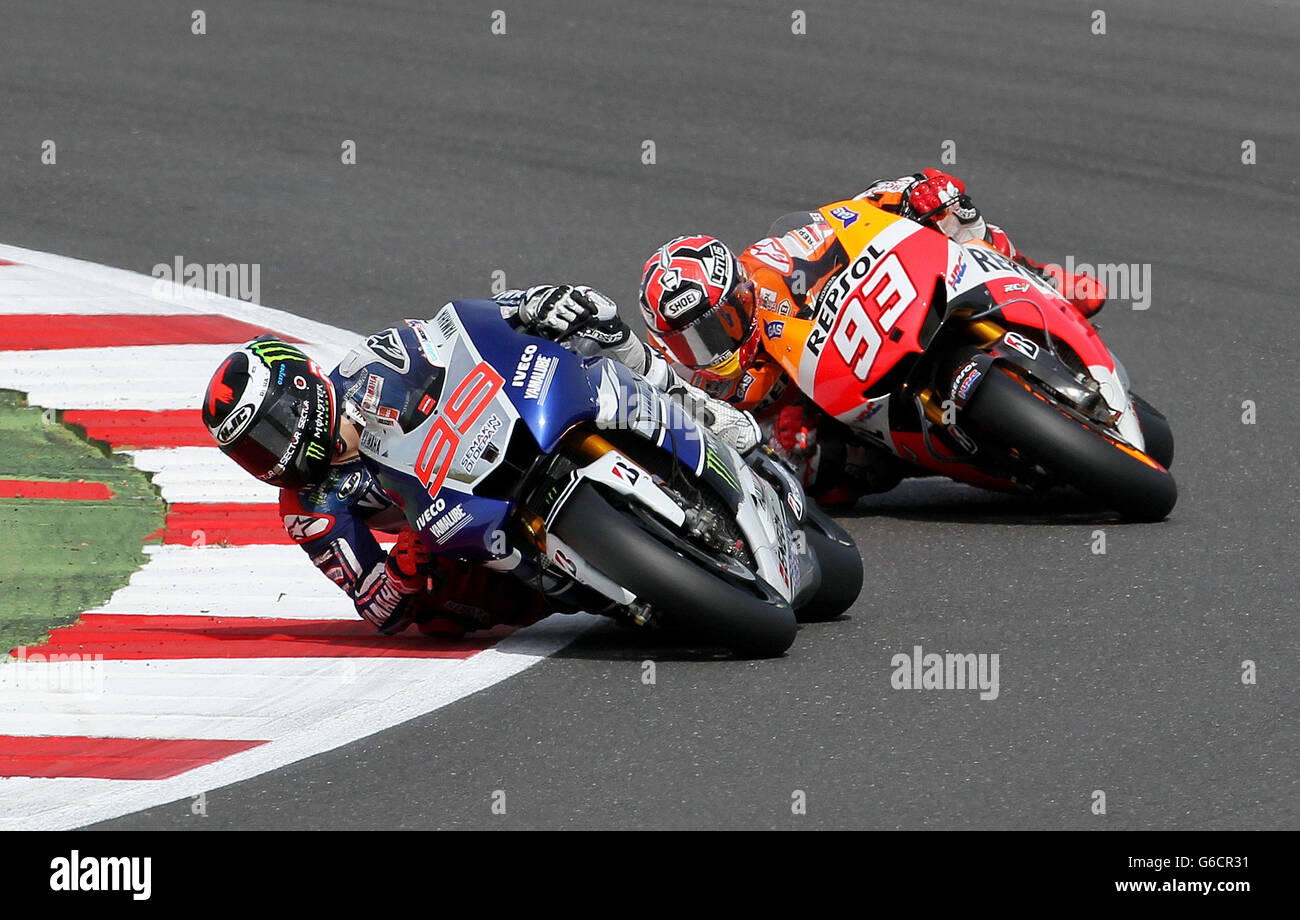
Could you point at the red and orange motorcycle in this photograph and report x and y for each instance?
(963, 362)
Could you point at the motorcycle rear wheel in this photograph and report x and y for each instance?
(1009, 411)
(839, 566)
(687, 598)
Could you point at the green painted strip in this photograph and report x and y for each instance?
(59, 558)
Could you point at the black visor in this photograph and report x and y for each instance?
(290, 441)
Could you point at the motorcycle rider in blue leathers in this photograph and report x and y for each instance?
(274, 411)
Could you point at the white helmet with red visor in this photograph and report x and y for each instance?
(698, 303)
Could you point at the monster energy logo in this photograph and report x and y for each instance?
(714, 462)
(271, 352)
(315, 451)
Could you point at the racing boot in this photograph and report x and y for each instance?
(834, 472)
(1083, 291)
(734, 427)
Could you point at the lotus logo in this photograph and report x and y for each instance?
(235, 423)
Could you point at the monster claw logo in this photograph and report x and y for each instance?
(714, 462)
(271, 352)
(315, 451)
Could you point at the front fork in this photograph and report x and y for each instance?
(581, 446)
(584, 453)
(983, 333)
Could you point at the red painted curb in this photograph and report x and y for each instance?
(73, 491)
(236, 524)
(111, 758)
(120, 637)
(141, 429)
(233, 523)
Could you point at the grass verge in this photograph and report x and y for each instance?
(59, 558)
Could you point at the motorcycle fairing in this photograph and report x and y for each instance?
(496, 389)
(1027, 300)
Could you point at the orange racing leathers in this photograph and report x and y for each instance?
(789, 268)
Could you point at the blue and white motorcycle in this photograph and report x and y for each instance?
(513, 449)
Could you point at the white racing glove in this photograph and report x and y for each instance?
(558, 310)
(577, 312)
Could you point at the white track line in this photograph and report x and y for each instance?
(115, 290)
(123, 377)
(201, 474)
(231, 581)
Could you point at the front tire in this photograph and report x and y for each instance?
(687, 598)
(1156, 432)
(1009, 411)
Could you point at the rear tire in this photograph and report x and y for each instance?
(686, 597)
(1005, 410)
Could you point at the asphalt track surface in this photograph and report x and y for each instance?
(522, 153)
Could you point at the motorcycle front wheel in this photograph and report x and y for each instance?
(1013, 413)
(1157, 433)
(687, 599)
